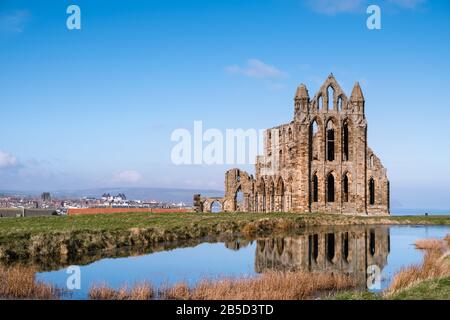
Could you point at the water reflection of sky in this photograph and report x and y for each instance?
(403, 252)
(214, 260)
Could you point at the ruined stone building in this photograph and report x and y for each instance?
(353, 251)
(319, 162)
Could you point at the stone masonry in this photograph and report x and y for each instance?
(319, 162)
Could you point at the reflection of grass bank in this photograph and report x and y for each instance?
(20, 283)
(60, 237)
(269, 286)
(430, 280)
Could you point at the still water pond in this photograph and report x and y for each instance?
(358, 251)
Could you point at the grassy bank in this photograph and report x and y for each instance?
(25, 238)
(434, 289)
(429, 280)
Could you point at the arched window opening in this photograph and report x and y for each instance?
(372, 242)
(216, 207)
(239, 200)
(330, 188)
(330, 97)
(330, 141)
(345, 188)
(261, 188)
(330, 247)
(313, 247)
(290, 133)
(320, 103)
(314, 141)
(280, 158)
(315, 188)
(279, 244)
(263, 202)
(345, 142)
(339, 103)
(272, 201)
(345, 249)
(389, 243)
(371, 192)
(371, 161)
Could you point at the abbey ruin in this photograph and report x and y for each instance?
(319, 162)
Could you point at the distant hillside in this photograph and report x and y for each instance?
(160, 194)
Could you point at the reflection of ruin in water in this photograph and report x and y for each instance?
(348, 251)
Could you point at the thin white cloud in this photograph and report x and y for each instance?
(128, 176)
(7, 160)
(332, 7)
(408, 4)
(257, 69)
(14, 21)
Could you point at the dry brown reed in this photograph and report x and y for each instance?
(435, 265)
(142, 291)
(426, 244)
(19, 282)
(272, 285)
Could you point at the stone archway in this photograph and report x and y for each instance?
(239, 200)
(216, 207)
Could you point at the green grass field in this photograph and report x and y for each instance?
(11, 227)
(435, 289)
(55, 236)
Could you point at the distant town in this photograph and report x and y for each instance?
(61, 206)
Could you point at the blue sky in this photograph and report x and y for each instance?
(96, 107)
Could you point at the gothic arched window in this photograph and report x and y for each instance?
(330, 141)
(371, 192)
(345, 143)
(330, 97)
(345, 188)
(315, 188)
(314, 141)
(330, 188)
(340, 103)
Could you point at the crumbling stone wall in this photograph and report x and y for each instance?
(319, 162)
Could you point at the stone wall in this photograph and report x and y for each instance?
(14, 212)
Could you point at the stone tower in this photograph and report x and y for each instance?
(319, 162)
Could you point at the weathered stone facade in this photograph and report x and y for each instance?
(319, 162)
(355, 251)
